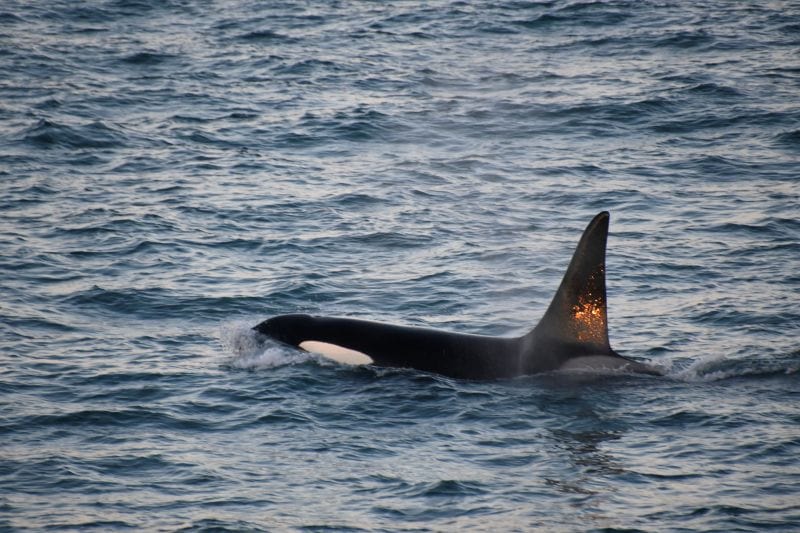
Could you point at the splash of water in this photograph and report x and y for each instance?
(716, 367)
(246, 349)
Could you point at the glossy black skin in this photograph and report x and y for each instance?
(456, 355)
(451, 354)
(558, 338)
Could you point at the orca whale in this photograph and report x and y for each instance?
(572, 334)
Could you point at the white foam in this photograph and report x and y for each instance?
(708, 368)
(718, 367)
(249, 350)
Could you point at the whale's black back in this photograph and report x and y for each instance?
(451, 354)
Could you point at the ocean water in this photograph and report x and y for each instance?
(173, 172)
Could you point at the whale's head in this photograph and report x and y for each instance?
(288, 329)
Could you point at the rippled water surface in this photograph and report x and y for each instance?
(173, 172)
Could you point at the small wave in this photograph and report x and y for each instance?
(10, 18)
(188, 119)
(356, 124)
(209, 139)
(46, 134)
(247, 350)
(154, 303)
(448, 488)
(265, 36)
(50, 103)
(792, 28)
(684, 40)
(789, 138)
(715, 90)
(306, 67)
(544, 20)
(39, 324)
(146, 58)
(96, 418)
(769, 230)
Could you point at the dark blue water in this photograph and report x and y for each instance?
(173, 172)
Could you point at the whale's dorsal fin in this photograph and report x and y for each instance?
(577, 316)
